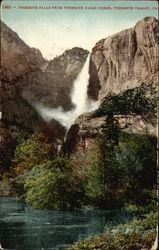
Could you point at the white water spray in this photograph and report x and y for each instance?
(78, 97)
(79, 92)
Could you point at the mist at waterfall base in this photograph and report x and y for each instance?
(78, 97)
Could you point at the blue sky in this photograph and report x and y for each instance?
(54, 31)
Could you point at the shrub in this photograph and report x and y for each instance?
(33, 151)
(136, 158)
(131, 101)
(121, 172)
(136, 235)
(53, 185)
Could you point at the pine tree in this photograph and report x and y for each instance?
(107, 162)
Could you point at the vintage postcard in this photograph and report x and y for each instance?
(78, 125)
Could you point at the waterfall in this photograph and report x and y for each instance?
(79, 99)
(79, 91)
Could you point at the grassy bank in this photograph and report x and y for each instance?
(137, 234)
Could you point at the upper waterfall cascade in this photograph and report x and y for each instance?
(79, 99)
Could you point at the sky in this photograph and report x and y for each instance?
(55, 30)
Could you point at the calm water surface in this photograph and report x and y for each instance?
(25, 228)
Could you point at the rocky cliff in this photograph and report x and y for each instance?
(28, 78)
(51, 86)
(126, 60)
(88, 127)
(17, 58)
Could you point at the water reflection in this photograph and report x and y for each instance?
(25, 228)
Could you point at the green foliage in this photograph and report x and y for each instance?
(7, 146)
(123, 165)
(119, 170)
(53, 185)
(137, 234)
(122, 171)
(131, 101)
(93, 176)
(102, 172)
(29, 153)
(44, 179)
(33, 151)
(136, 158)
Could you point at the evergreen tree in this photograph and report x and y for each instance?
(107, 162)
(103, 178)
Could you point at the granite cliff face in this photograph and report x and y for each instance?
(26, 78)
(52, 85)
(124, 60)
(17, 58)
(87, 128)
